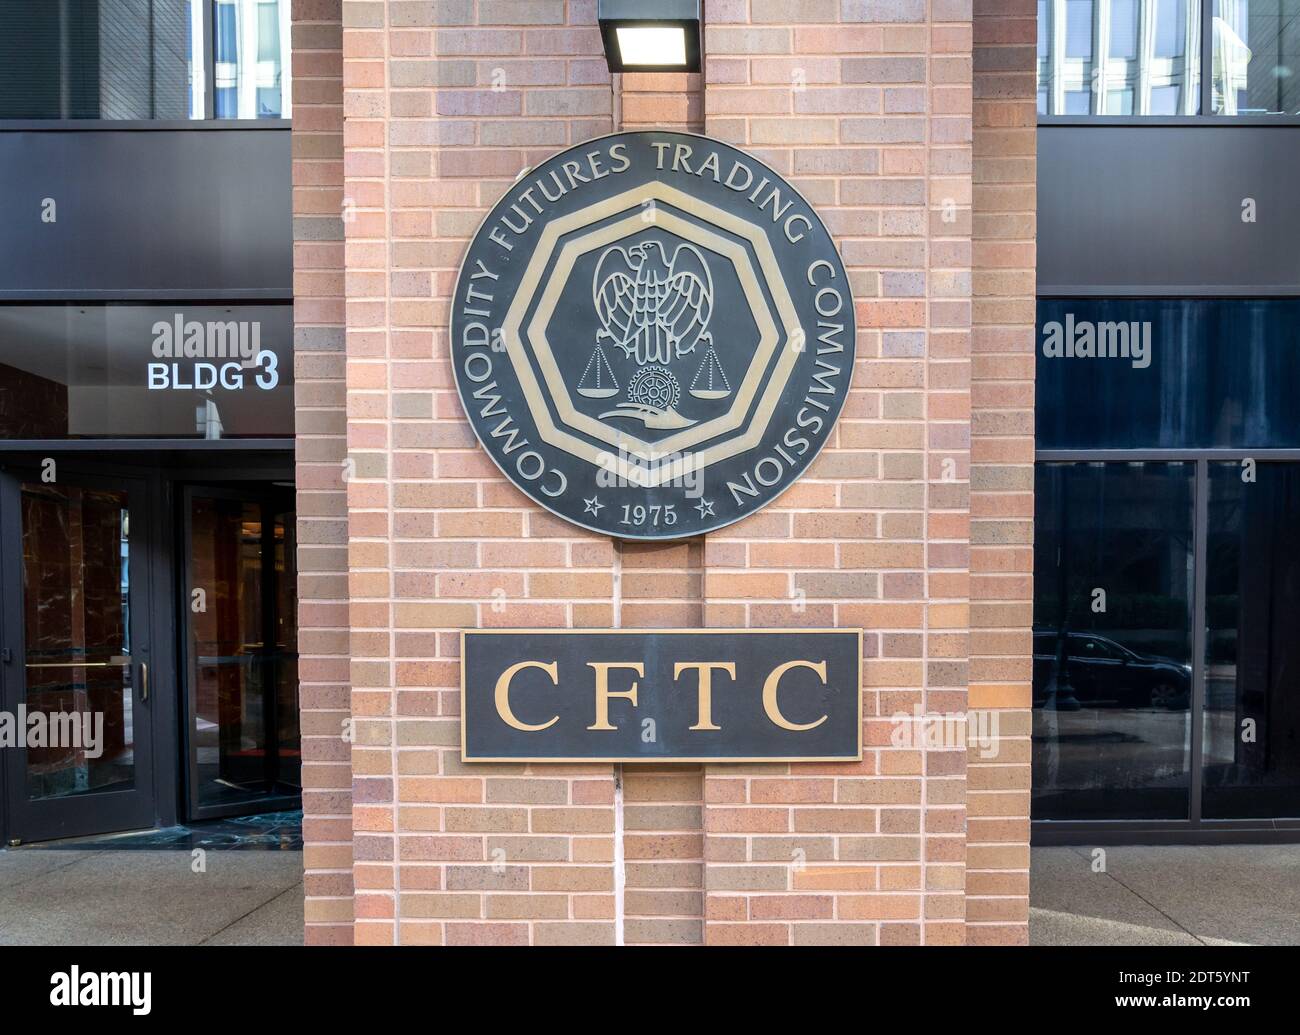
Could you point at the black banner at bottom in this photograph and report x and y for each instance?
(509, 988)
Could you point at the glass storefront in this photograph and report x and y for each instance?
(1166, 667)
(1112, 640)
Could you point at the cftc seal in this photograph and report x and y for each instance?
(652, 335)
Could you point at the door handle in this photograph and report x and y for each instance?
(144, 681)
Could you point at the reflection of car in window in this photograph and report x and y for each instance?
(1099, 672)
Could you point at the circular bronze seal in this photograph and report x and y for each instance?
(652, 334)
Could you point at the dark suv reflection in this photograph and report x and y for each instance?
(1101, 673)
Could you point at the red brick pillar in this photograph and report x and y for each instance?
(918, 506)
(324, 639)
(1002, 476)
(865, 107)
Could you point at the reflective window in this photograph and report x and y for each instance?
(101, 59)
(1252, 655)
(1112, 641)
(1119, 57)
(1168, 373)
(133, 371)
(144, 59)
(243, 650)
(251, 53)
(76, 635)
(1256, 57)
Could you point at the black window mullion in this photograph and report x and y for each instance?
(1200, 554)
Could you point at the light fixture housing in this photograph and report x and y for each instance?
(651, 35)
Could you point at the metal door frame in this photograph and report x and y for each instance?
(83, 815)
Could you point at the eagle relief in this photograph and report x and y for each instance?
(654, 310)
(652, 334)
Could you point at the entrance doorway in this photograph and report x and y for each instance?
(241, 658)
(148, 654)
(76, 657)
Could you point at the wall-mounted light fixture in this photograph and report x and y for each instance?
(651, 35)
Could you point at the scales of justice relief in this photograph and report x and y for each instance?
(655, 310)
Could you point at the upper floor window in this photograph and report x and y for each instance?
(1256, 57)
(144, 59)
(1119, 57)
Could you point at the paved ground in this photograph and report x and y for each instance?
(140, 897)
(1146, 896)
(1167, 895)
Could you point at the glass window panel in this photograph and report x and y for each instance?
(1171, 28)
(1078, 102)
(1078, 28)
(77, 619)
(101, 59)
(1112, 641)
(1119, 102)
(1123, 29)
(1218, 373)
(1165, 100)
(131, 371)
(243, 652)
(1252, 655)
(1256, 57)
(251, 55)
(1148, 42)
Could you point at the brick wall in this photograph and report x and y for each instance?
(1002, 475)
(866, 108)
(321, 446)
(915, 509)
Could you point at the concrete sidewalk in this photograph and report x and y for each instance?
(1166, 895)
(141, 897)
(1170, 895)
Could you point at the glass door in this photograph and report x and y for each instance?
(74, 656)
(1252, 653)
(242, 653)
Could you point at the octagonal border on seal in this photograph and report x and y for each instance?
(677, 466)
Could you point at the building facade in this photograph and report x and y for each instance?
(1165, 576)
(910, 129)
(147, 582)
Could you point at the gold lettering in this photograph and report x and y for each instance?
(503, 693)
(769, 694)
(603, 692)
(705, 669)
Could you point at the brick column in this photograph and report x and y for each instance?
(1002, 476)
(323, 640)
(447, 103)
(865, 106)
(917, 507)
